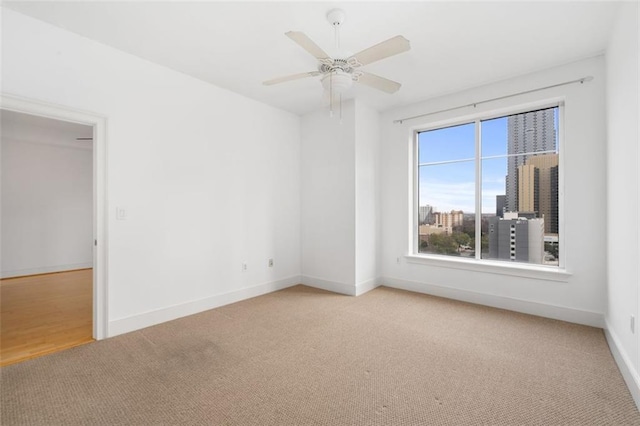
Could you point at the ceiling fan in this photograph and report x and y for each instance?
(338, 74)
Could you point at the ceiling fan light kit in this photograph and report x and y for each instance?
(338, 82)
(338, 74)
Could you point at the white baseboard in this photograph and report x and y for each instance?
(365, 286)
(45, 270)
(147, 319)
(630, 375)
(333, 286)
(593, 319)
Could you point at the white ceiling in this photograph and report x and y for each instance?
(237, 45)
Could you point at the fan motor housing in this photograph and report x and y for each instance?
(337, 65)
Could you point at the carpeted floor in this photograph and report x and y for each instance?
(304, 356)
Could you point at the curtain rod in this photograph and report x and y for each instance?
(474, 104)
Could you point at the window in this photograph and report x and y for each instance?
(488, 189)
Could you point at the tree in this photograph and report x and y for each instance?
(484, 243)
(443, 244)
(461, 238)
(469, 227)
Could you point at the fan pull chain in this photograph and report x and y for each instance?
(340, 108)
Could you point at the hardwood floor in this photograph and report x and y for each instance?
(41, 314)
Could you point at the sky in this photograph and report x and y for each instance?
(451, 186)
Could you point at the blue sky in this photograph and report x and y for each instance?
(451, 186)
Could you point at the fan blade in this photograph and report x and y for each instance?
(379, 83)
(393, 46)
(291, 77)
(307, 44)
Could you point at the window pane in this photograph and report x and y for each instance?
(447, 209)
(494, 137)
(520, 223)
(449, 143)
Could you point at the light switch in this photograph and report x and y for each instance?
(121, 213)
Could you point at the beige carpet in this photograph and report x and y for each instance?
(304, 356)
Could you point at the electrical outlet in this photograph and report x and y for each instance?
(244, 266)
(632, 324)
(270, 263)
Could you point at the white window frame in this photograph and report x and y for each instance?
(520, 269)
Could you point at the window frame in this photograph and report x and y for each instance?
(536, 271)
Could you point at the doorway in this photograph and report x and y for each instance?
(53, 287)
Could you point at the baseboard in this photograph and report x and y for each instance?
(336, 287)
(593, 319)
(365, 286)
(147, 319)
(630, 375)
(45, 270)
(333, 286)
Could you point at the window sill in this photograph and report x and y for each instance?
(547, 273)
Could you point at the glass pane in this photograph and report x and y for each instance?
(447, 144)
(447, 209)
(494, 137)
(520, 223)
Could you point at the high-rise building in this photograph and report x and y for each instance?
(425, 214)
(518, 239)
(448, 220)
(547, 192)
(528, 188)
(527, 134)
(500, 205)
(552, 220)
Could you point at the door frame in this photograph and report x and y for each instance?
(100, 205)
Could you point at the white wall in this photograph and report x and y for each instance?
(579, 298)
(622, 193)
(328, 200)
(367, 149)
(209, 179)
(340, 199)
(47, 199)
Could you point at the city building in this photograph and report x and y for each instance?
(425, 214)
(500, 205)
(424, 231)
(448, 220)
(547, 192)
(526, 133)
(528, 188)
(516, 239)
(538, 189)
(552, 219)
